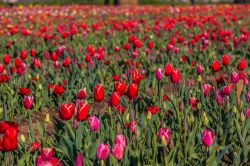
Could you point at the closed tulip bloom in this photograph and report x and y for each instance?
(1, 68)
(219, 97)
(82, 111)
(81, 94)
(66, 111)
(79, 159)
(216, 66)
(163, 136)
(47, 153)
(98, 93)
(248, 96)
(102, 151)
(168, 69)
(207, 89)
(199, 69)
(9, 142)
(235, 77)
(121, 139)
(248, 113)
(207, 137)
(159, 74)
(226, 90)
(28, 101)
(120, 87)
(114, 99)
(94, 123)
(118, 151)
(6, 59)
(132, 90)
(242, 64)
(175, 75)
(225, 60)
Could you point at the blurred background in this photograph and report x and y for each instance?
(118, 2)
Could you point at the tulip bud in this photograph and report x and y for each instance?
(79, 160)
(158, 74)
(205, 120)
(28, 101)
(199, 106)
(94, 123)
(40, 87)
(47, 118)
(248, 113)
(199, 79)
(149, 115)
(242, 117)
(127, 117)
(235, 110)
(23, 138)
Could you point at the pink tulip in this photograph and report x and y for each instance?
(248, 112)
(94, 123)
(79, 160)
(207, 89)
(47, 153)
(163, 135)
(207, 137)
(28, 101)
(199, 69)
(121, 139)
(158, 74)
(235, 77)
(102, 151)
(118, 151)
(248, 96)
(219, 97)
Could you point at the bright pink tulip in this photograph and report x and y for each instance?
(118, 151)
(219, 97)
(199, 69)
(47, 153)
(248, 96)
(102, 151)
(163, 135)
(94, 123)
(120, 139)
(207, 137)
(235, 77)
(248, 112)
(79, 160)
(159, 74)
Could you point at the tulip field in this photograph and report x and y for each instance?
(127, 85)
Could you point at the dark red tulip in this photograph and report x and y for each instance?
(120, 87)
(24, 91)
(33, 52)
(23, 54)
(114, 99)
(98, 93)
(58, 90)
(82, 111)
(18, 62)
(81, 94)
(153, 109)
(121, 109)
(9, 141)
(132, 90)
(66, 111)
(216, 66)
(175, 75)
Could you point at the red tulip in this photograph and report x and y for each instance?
(98, 93)
(66, 111)
(34, 146)
(153, 109)
(114, 99)
(120, 87)
(226, 90)
(47, 153)
(207, 137)
(121, 109)
(33, 52)
(175, 75)
(102, 151)
(24, 91)
(136, 77)
(132, 90)
(150, 44)
(168, 69)
(10, 139)
(58, 90)
(216, 66)
(18, 62)
(242, 64)
(6, 59)
(1, 68)
(225, 60)
(23, 54)
(66, 61)
(81, 94)
(28, 101)
(82, 111)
